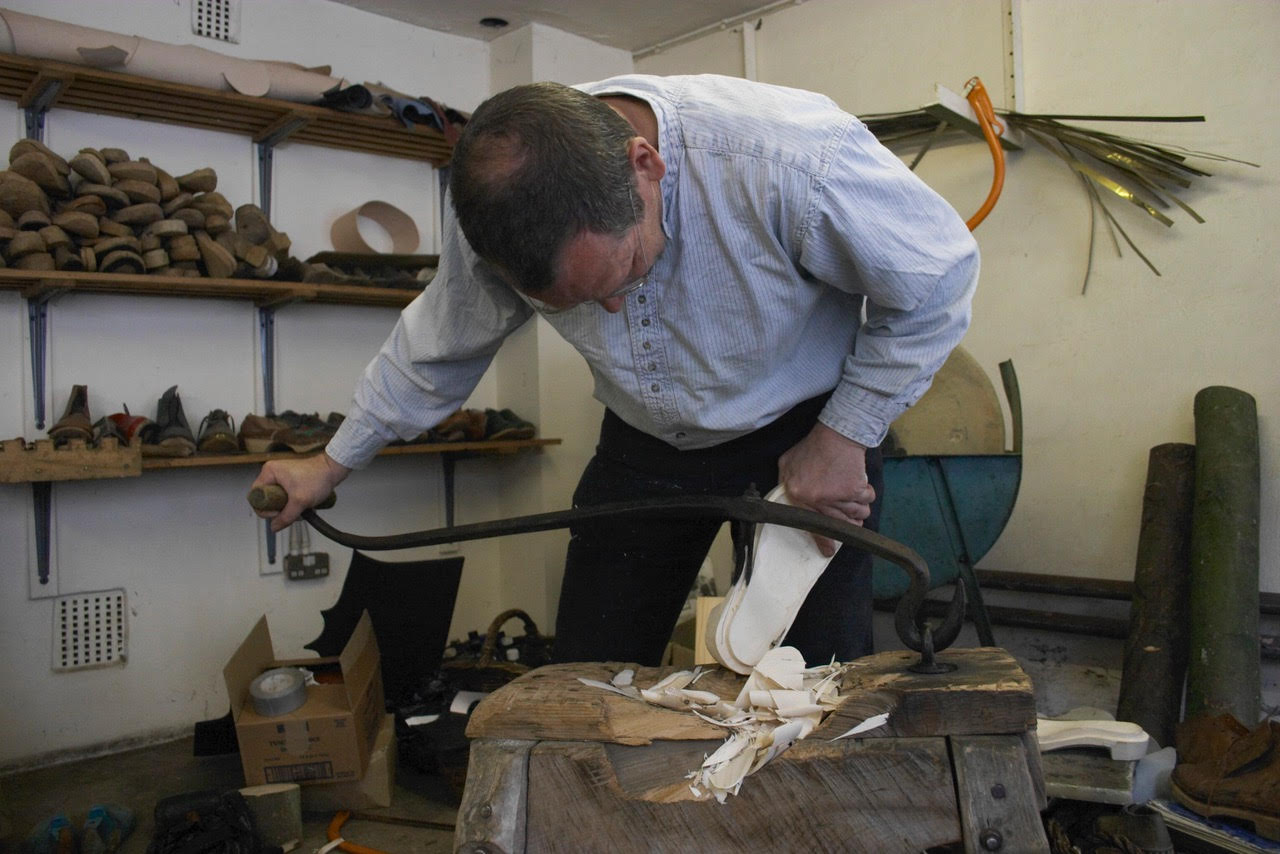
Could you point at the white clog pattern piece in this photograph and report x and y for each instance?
(1125, 741)
(755, 616)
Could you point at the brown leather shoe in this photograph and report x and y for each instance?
(75, 422)
(1242, 781)
(259, 434)
(217, 434)
(464, 425)
(1207, 737)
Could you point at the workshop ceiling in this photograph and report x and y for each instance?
(617, 23)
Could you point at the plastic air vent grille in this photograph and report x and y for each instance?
(216, 19)
(89, 630)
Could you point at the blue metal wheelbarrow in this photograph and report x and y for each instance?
(950, 484)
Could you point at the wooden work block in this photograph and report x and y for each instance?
(550, 702)
(557, 765)
(987, 693)
(23, 463)
(851, 795)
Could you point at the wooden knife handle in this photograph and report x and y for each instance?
(273, 497)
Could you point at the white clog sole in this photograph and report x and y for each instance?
(754, 618)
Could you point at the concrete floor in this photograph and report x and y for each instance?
(137, 779)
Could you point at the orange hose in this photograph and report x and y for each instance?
(981, 103)
(335, 832)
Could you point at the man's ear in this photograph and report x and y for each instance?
(645, 159)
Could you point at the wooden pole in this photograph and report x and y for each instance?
(1155, 651)
(1224, 674)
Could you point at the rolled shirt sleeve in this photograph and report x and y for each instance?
(877, 230)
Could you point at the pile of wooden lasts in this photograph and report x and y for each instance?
(102, 211)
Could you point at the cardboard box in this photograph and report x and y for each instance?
(328, 739)
(374, 789)
(688, 645)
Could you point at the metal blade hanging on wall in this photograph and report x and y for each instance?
(1144, 174)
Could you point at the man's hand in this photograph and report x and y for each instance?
(827, 473)
(308, 481)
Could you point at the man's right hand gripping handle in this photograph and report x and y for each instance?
(307, 482)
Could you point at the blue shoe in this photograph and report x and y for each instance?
(105, 828)
(55, 836)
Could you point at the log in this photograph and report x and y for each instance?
(1224, 671)
(1155, 651)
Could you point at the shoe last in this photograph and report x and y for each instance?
(75, 422)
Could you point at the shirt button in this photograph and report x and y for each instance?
(641, 299)
(644, 322)
(651, 367)
(654, 387)
(648, 346)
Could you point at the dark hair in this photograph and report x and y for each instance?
(535, 166)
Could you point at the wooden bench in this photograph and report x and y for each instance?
(560, 766)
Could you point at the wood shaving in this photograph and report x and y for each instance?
(781, 702)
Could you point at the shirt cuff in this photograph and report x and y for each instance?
(860, 415)
(354, 445)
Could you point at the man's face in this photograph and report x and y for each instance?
(605, 268)
(599, 268)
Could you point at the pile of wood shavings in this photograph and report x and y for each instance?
(781, 702)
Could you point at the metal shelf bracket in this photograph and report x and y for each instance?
(265, 143)
(38, 323)
(36, 101)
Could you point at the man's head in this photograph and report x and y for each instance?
(537, 166)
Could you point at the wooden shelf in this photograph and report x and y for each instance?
(469, 449)
(41, 462)
(20, 463)
(35, 284)
(79, 87)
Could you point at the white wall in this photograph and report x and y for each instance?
(1107, 375)
(183, 544)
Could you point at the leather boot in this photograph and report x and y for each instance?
(218, 434)
(75, 422)
(1242, 781)
(173, 437)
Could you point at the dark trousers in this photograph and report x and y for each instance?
(626, 580)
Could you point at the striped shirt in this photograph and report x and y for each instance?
(784, 217)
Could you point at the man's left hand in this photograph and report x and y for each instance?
(827, 473)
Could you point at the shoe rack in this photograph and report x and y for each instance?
(39, 85)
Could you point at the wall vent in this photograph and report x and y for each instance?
(216, 19)
(89, 630)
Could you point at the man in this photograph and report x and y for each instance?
(758, 286)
